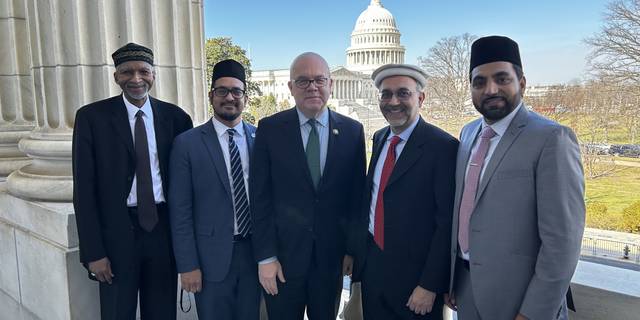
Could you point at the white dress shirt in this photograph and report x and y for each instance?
(500, 127)
(404, 135)
(240, 139)
(132, 200)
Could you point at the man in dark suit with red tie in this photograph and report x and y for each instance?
(405, 225)
(120, 159)
(306, 178)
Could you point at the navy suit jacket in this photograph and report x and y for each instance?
(288, 214)
(418, 209)
(201, 203)
(104, 164)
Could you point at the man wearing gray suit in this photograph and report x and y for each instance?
(209, 204)
(519, 205)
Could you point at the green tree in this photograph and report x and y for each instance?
(631, 217)
(263, 106)
(222, 48)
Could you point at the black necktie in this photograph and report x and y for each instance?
(239, 192)
(147, 213)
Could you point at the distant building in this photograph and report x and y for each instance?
(375, 41)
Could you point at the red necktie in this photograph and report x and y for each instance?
(389, 162)
(471, 187)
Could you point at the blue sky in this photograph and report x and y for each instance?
(549, 33)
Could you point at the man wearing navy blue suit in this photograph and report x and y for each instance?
(209, 204)
(307, 176)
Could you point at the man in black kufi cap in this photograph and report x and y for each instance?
(209, 204)
(519, 210)
(120, 160)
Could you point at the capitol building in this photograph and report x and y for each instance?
(375, 41)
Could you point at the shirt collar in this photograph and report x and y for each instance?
(222, 128)
(501, 126)
(404, 135)
(322, 119)
(132, 110)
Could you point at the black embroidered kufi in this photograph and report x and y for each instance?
(132, 52)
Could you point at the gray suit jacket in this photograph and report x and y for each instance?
(526, 228)
(200, 202)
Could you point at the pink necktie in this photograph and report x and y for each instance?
(471, 187)
(378, 220)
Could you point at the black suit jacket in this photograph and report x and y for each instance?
(103, 170)
(418, 209)
(287, 213)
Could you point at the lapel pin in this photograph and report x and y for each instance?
(335, 132)
(253, 134)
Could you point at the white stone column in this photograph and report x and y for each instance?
(16, 94)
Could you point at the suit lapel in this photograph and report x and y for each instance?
(334, 147)
(162, 131)
(120, 122)
(375, 156)
(250, 135)
(410, 153)
(291, 129)
(514, 129)
(464, 152)
(211, 141)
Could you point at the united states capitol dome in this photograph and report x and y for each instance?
(375, 41)
(376, 16)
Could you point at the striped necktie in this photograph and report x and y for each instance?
(240, 201)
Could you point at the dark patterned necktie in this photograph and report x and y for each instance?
(239, 192)
(147, 212)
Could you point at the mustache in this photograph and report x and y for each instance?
(494, 97)
(397, 107)
(228, 103)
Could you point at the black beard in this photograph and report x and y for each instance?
(510, 104)
(227, 116)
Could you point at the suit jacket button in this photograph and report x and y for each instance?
(132, 228)
(310, 228)
(317, 200)
(129, 178)
(230, 229)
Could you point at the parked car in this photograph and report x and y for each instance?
(625, 150)
(601, 149)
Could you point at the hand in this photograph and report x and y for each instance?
(191, 281)
(450, 301)
(521, 317)
(101, 269)
(267, 274)
(421, 300)
(347, 265)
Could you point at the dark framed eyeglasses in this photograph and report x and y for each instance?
(403, 94)
(223, 92)
(305, 83)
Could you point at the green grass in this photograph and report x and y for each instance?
(616, 191)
